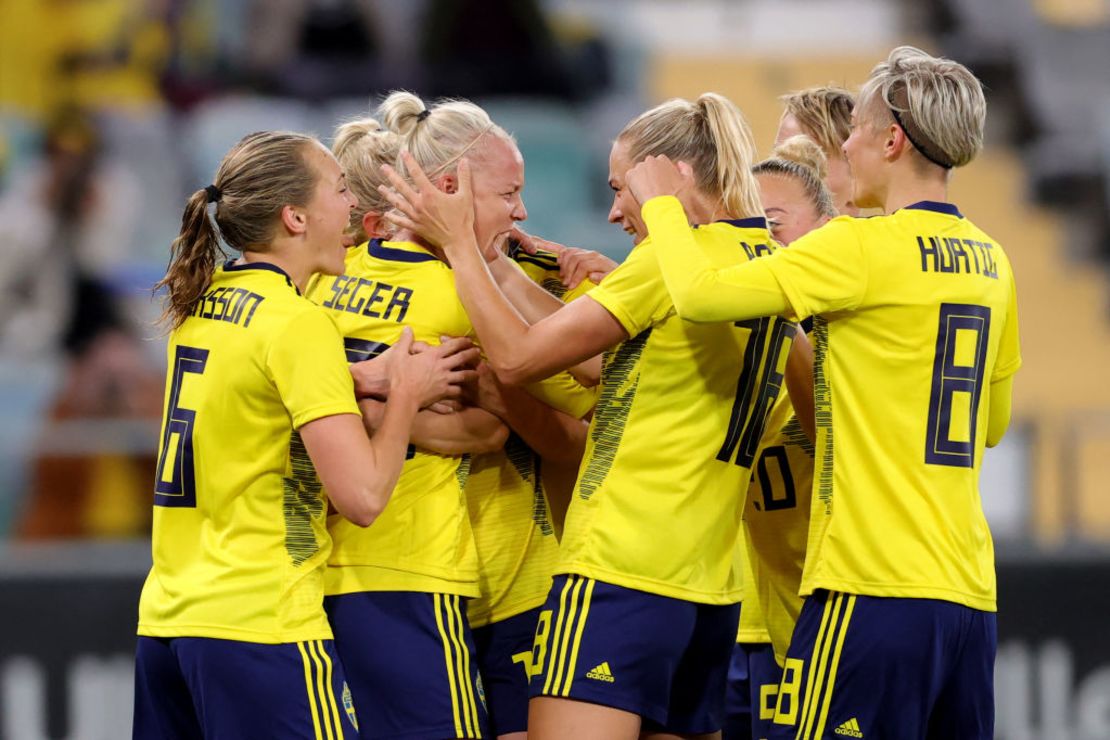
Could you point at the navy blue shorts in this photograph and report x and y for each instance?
(753, 687)
(505, 662)
(661, 658)
(870, 667)
(410, 663)
(200, 687)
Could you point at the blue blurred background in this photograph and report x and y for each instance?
(112, 111)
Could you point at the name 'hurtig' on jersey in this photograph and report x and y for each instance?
(376, 300)
(233, 305)
(955, 255)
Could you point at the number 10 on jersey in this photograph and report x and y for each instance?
(176, 481)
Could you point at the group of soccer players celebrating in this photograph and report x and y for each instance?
(423, 475)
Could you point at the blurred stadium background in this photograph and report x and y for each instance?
(111, 111)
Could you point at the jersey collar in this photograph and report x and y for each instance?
(937, 207)
(399, 251)
(230, 266)
(754, 222)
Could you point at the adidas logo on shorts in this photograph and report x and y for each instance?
(850, 729)
(602, 673)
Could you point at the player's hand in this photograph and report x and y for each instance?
(576, 265)
(490, 392)
(658, 175)
(437, 216)
(433, 374)
(372, 376)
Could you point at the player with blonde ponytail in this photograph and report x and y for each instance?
(635, 635)
(260, 412)
(916, 333)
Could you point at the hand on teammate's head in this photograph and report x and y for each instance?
(423, 208)
(658, 175)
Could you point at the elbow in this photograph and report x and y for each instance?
(688, 307)
(512, 373)
(370, 506)
(495, 440)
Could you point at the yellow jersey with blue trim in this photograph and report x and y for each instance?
(658, 502)
(915, 316)
(776, 528)
(239, 540)
(517, 547)
(422, 540)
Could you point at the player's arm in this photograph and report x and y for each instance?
(799, 382)
(358, 472)
(371, 377)
(535, 304)
(998, 414)
(517, 351)
(468, 430)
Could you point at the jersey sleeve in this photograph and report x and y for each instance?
(563, 393)
(824, 271)
(307, 364)
(700, 291)
(634, 292)
(1009, 348)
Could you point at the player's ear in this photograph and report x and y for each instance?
(448, 184)
(293, 219)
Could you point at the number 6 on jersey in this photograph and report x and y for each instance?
(176, 481)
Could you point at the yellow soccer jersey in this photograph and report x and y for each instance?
(776, 526)
(239, 542)
(916, 315)
(658, 502)
(422, 541)
(516, 543)
(515, 540)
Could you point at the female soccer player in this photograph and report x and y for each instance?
(917, 343)
(824, 114)
(411, 573)
(233, 640)
(776, 515)
(637, 630)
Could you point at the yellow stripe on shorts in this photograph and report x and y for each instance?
(813, 683)
(579, 629)
(321, 690)
(450, 663)
(840, 638)
(553, 654)
(470, 696)
(308, 683)
(329, 683)
(564, 638)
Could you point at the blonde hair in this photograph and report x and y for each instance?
(938, 103)
(712, 136)
(262, 174)
(362, 146)
(824, 113)
(439, 136)
(800, 158)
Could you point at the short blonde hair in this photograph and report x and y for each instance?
(938, 103)
(440, 135)
(710, 134)
(362, 146)
(824, 113)
(801, 159)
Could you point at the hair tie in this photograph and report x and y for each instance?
(213, 193)
(423, 114)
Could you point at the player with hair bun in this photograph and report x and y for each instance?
(776, 515)
(635, 636)
(824, 114)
